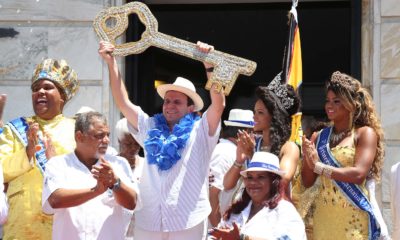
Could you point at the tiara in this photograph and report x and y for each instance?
(342, 80)
(280, 90)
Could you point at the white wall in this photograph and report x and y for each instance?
(56, 29)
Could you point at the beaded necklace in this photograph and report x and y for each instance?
(162, 146)
(336, 138)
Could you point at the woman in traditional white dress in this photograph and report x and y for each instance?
(261, 213)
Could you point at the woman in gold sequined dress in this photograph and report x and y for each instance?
(349, 152)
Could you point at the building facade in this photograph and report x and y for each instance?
(31, 30)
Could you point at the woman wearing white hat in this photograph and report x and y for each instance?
(275, 105)
(261, 213)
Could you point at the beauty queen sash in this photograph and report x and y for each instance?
(19, 126)
(352, 192)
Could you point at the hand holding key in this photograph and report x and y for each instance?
(226, 67)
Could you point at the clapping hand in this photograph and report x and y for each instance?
(32, 135)
(245, 146)
(104, 174)
(48, 144)
(310, 155)
(226, 233)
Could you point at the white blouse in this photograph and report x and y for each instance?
(282, 222)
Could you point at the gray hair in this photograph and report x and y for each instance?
(86, 119)
(121, 128)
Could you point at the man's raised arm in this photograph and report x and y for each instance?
(217, 106)
(118, 89)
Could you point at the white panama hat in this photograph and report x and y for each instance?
(240, 118)
(184, 86)
(263, 161)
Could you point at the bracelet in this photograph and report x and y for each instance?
(319, 168)
(328, 171)
(237, 165)
(210, 69)
(323, 169)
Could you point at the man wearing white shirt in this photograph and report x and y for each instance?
(91, 194)
(178, 146)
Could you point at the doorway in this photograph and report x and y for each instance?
(330, 38)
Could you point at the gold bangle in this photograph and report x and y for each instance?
(319, 168)
(328, 171)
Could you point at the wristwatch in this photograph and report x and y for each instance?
(116, 185)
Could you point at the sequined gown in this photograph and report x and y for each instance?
(335, 217)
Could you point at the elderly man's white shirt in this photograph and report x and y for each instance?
(176, 199)
(98, 218)
(222, 159)
(284, 220)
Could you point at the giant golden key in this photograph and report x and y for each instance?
(226, 67)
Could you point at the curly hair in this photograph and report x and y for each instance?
(281, 118)
(358, 101)
(272, 202)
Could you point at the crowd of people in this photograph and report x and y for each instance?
(195, 178)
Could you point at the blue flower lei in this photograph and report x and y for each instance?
(162, 147)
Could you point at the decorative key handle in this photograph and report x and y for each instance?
(226, 67)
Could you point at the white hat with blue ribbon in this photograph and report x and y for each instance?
(263, 161)
(240, 118)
